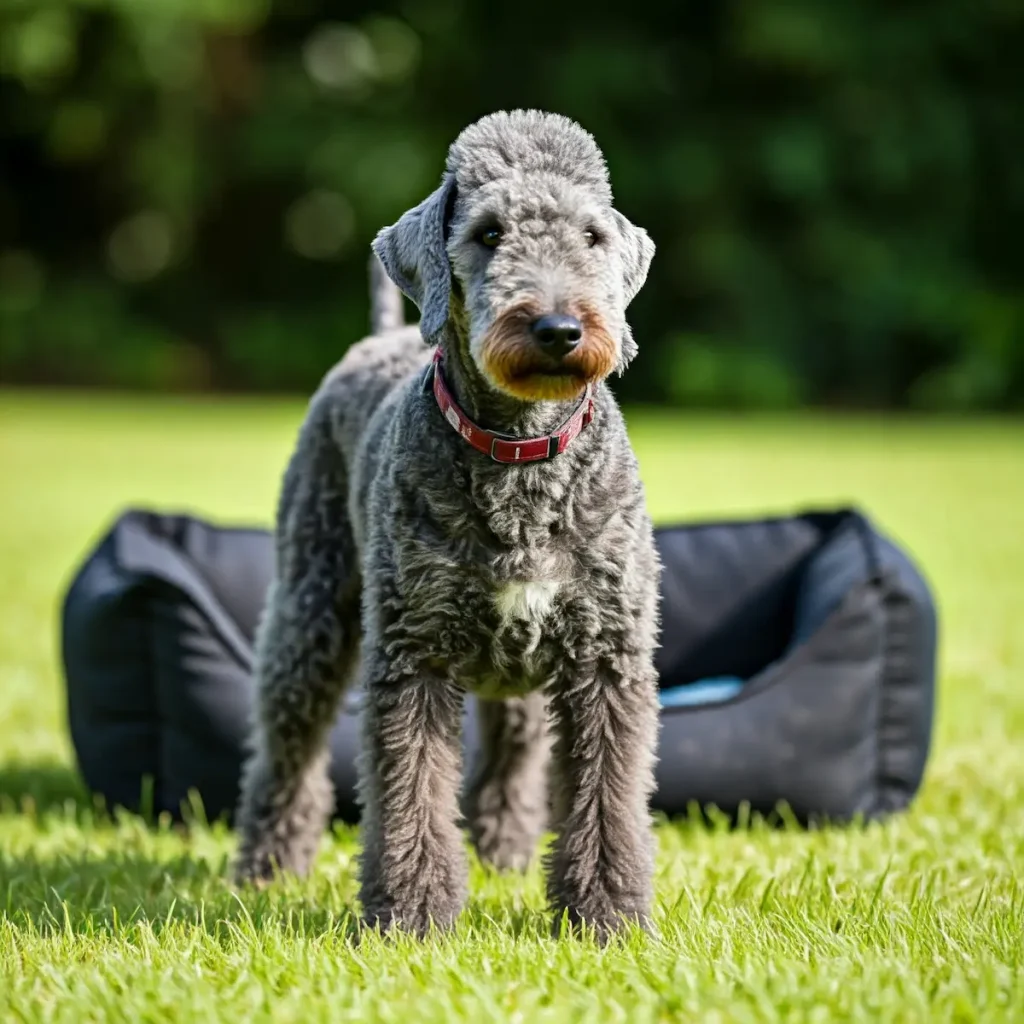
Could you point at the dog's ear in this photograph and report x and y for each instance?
(415, 256)
(637, 253)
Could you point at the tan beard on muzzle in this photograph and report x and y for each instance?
(510, 357)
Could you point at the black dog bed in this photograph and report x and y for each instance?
(797, 666)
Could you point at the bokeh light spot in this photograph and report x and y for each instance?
(340, 57)
(319, 225)
(141, 246)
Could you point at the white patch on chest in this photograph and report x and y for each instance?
(528, 602)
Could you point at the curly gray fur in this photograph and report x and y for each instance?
(439, 572)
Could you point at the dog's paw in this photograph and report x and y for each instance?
(418, 921)
(253, 872)
(604, 923)
(261, 864)
(507, 853)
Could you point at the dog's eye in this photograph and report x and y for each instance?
(590, 237)
(489, 237)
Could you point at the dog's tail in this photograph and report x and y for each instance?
(386, 310)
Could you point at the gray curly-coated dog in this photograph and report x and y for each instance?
(474, 522)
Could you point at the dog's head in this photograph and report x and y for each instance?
(521, 250)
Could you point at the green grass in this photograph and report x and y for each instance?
(921, 919)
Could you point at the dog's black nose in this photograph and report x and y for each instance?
(557, 334)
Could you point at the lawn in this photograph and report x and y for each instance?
(920, 919)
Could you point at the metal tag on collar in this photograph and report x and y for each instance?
(497, 439)
(521, 442)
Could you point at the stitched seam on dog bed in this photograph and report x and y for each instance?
(900, 623)
(191, 584)
(83, 713)
(894, 792)
(877, 581)
(839, 515)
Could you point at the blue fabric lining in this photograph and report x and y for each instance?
(704, 691)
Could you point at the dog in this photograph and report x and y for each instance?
(466, 516)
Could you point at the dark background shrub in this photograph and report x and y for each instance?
(188, 187)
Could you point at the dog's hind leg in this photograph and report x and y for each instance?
(507, 797)
(306, 646)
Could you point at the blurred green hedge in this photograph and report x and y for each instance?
(188, 187)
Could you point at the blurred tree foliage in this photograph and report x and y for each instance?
(188, 187)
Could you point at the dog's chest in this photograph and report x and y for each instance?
(502, 589)
(528, 571)
(520, 640)
(516, 638)
(529, 602)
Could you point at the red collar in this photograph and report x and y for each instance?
(501, 447)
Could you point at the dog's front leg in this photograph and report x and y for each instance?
(413, 866)
(601, 867)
